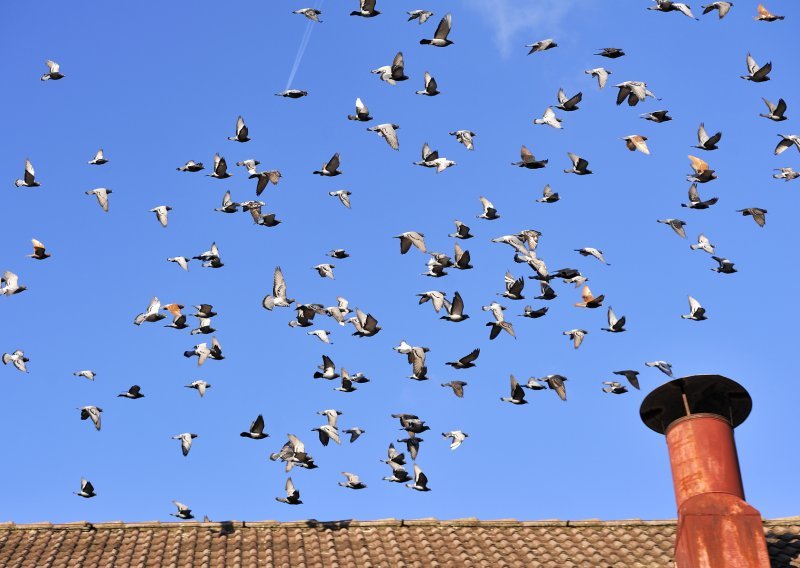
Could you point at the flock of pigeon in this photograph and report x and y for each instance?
(449, 307)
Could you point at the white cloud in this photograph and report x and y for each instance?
(538, 19)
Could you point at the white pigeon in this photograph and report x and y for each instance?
(186, 441)
(85, 374)
(181, 261)
(18, 359)
(465, 138)
(457, 437)
(601, 74)
(343, 195)
(93, 413)
(200, 386)
(162, 214)
(325, 270)
(99, 159)
(703, 244)
(549, 118)
(322, 335)
(101, 193)
(387, 131)
(9, 284)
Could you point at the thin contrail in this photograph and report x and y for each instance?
(302, 48)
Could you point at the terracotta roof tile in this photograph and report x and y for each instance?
(631, 543)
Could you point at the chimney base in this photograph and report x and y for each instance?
(719, 530)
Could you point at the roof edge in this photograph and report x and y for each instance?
(345, 523)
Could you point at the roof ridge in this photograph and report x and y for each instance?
(344, 523)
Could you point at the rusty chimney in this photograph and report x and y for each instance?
(716, 527)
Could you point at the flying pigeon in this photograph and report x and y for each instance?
(133, 393)
(331, 168)
(465, 137)
(615, 325)
(220, 168)
(55, 71)
(99, 159)
(200, 386)
(353, 481)
(576, 335)
(362, 112)
(541, 45)
(161, 212)
(697, 312)
(186, 441)
(757, 74)
(310, 13)
(29, 178)
(93, 413)
(388, 132)
(102, 193)
(394, 72)
(420, 15)
(765, 15)
(431, 87)
(39, 251)
(87, 489)
(184, 512)
(662, 366)
(442, 31)
(528, 160)
(776, 111)
(722, 8)
(601, 74)
(242, 132)
(457, 437)
(632, 376)
(517, 394)
(18, 359)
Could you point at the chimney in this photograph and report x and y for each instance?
(716, 526)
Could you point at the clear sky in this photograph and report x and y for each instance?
(158, 84)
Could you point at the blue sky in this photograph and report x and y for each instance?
(156, 87)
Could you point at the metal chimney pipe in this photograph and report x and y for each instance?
(716, 527)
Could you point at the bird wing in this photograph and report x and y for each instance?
(52, 65)
(389, 133)
(752, 66)
(398, 65)
(698, 165)
(444, 27)
(278, 283)
(694, 196)
(783, 145)
(333, 163)
(694, 305)
(471, 356)
(457, 307)
(612, 318)
(526, 155)
(241, 129)
(153, 307)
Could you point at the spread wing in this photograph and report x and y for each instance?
(444, 27)
(278, 283)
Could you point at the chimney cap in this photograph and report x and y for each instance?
(708, 394)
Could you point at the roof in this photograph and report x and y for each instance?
(382, 543)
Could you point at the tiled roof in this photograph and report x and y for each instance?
(378, 544)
